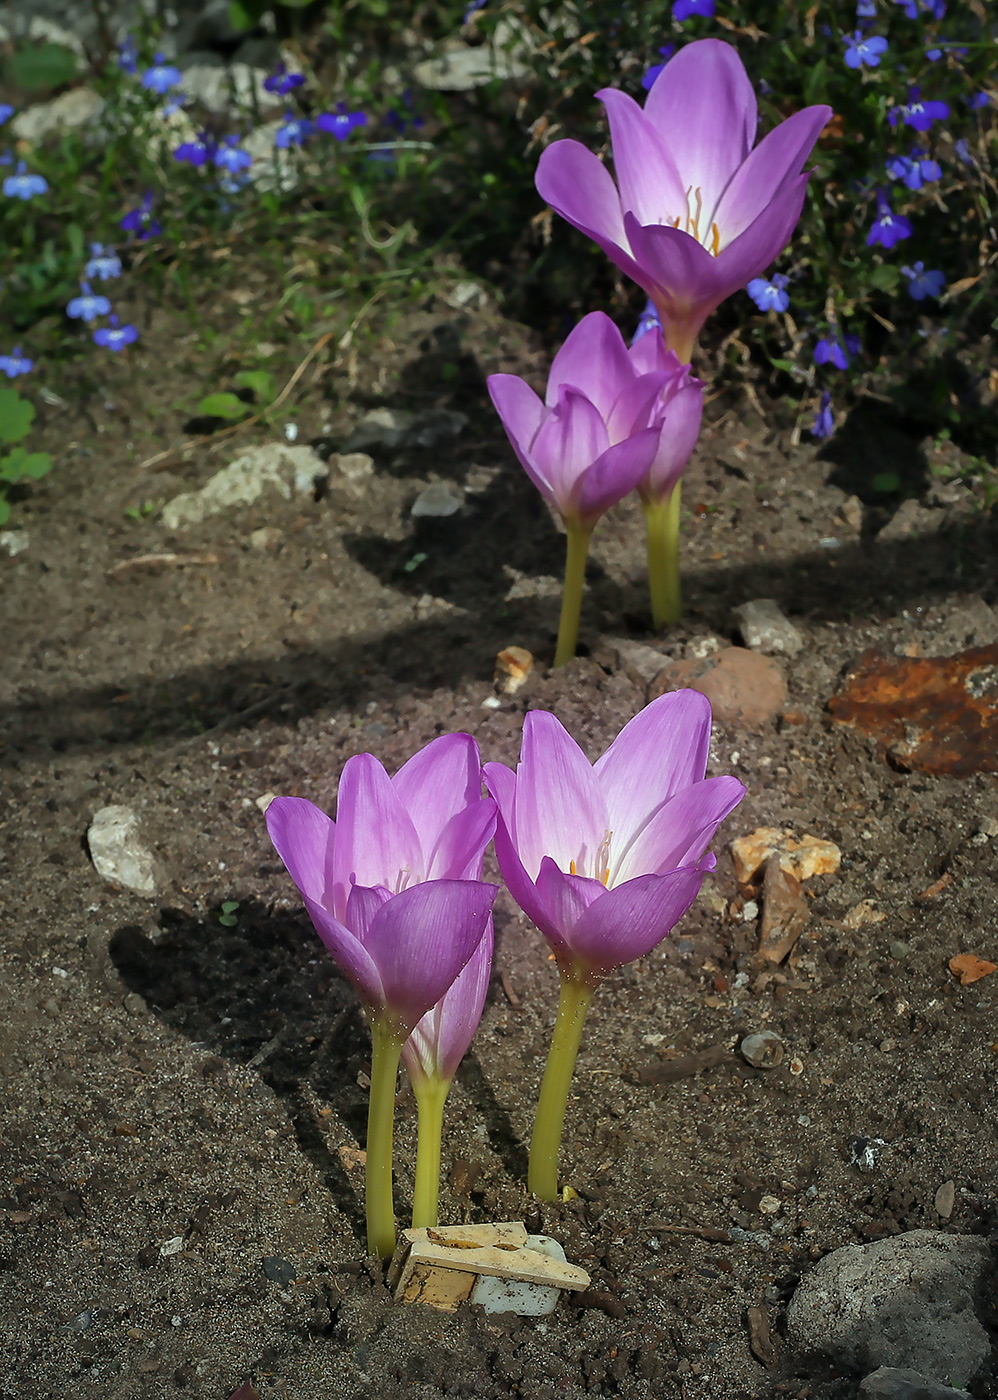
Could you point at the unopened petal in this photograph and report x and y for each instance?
(570, 440)
(376, 842)
(681, 417)
(559, 809)
(593, 360)
(632, 919)
(442, 1037)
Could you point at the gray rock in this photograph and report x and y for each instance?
(763, 1049)
(890, 1383)
(910, 518)
(14, 541)
(437, 500)
(639, 663)
(275, 466)
(117, 851)
(764, 628)
(900, 1302)
(272, 168)
(433, 427)
(461, 67)
(355, 466)
(78, 107)
(222, 87)
(382, 427)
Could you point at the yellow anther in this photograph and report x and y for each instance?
(717, 239)
(571, 867)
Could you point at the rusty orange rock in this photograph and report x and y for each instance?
(937, 714)
(970, 968)
(743, 687)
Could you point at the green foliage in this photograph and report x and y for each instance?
(260, 382)
(228, 913)
(223, 405)
(16, 417)
(39, 66)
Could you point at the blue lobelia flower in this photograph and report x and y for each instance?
(24, 186)
(15, 363)
(917, 114)
(656, 68)
(979, 100)
(685, 9)
(341, 122)
(824, 423)
(88, 305)
(115, 336)
(861, 50)
(231, 157)
(128, 55)
(962, 151)
(915, 170)
(104, 264)
(922, 284)
(293, 131)
(197, 152)
(866, 9)
(941, 48)
(889, 228)
(769, 295)
(6, 112)
(935, 9)
(161, 77)
(140, 221)
(648, 321)
(282, 82)
(830, 351)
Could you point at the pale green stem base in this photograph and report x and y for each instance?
(431, 1095)
(387, 1047)
(662, 524)
(571, 599)
(542, 1172)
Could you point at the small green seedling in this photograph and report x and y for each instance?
(16, 417)
(228, 917)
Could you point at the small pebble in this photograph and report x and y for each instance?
(945, 1198)
(764, 1049)
(279, 1270)
(770, 1205)
(437, 500)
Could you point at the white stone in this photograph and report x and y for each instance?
(117, 851)
(461, 67)
(221, 88)
(764, 628)
(69, 110)
(437, 500)
(498, 1295)
(14, 541)
(277, 466)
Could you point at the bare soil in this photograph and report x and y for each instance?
(170, 1081)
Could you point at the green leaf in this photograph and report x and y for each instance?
(787, 366)
(260, 381)
(4, 509)
(230, 906)
(816, 83)
(36, 465)
(228, 920)
(414, 562)
(40, 66)
(16, 416)
(223, 406)
(885, 277)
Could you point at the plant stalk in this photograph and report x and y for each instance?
(387, 1047)
(542, 1171)
(578, 537)
(431, 1095)
(662, 525)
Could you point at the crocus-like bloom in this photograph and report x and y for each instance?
(441, 1038)
(588, 444)
(676, 411)
(696, 213)
(915, 170)
(889, 228)
(115, 336)
(923, 284)
(686, 9)
(392, 885)
(824, 423)
(917, 114)
(15, 363)
(648, 80)
(88, 305)
(861, 49)
(104, 263)
(22, 185)
(607, 857)
(161, 77)
(341, 122)
(140, 221)
(771, 295)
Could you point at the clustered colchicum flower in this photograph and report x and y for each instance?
(605, 858)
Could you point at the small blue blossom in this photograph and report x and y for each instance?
(15, 363)
(6, 112)
(293, 131)
(979, 100)
(140, 221)
(769, 295)
(473, 8)
(866, 9)
(88, 305)
(161, 77)
(962, 151)
(128, 55)
(831, 351)
(282, 82)
(923, 284)
(824, 423)
(917, 114)
(24, 186)
(197, 152)
(685, 9)
(341, 122)
(915, 170)
(115, 336)
(649, 321)
(941, 48)
(231, 157)
(935, 9)
(649, 78)
(860, 50)
(104, 264)
(889, 228)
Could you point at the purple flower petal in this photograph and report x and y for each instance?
(647, 178)
(616, 473)
(559, 808)
(438, 783)
(678, 832)
(376, 842)
(629, 921)
(441, 1038)
(593, 359)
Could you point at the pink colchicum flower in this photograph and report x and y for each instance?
(442, 1037)
(696, 212)
(392, 885)
(606, 858)
(676, 413)
(597, 434)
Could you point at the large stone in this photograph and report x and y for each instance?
(117, 850)
(892, 1383)
(460, 67)
(903, 1302)
(275, 466)
(227, 87)
(743, 687)
(75, 108)
(764, 628)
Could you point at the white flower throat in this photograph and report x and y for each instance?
(602, 862)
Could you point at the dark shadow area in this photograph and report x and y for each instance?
(264, 995)
(876, 456)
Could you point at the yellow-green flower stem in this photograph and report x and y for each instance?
(662, 525)
(573, 1003)
(571, 598)
(431, 1095)
(387, 1047)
